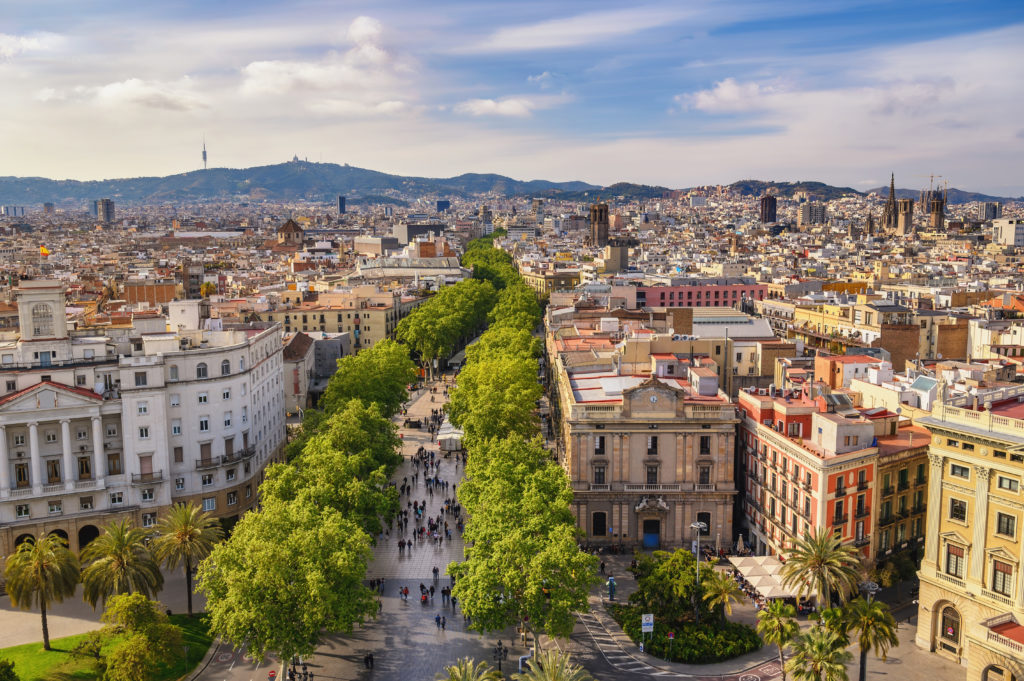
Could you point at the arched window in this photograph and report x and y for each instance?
(173, 370)
(225, 368)
(42, 320)
(241, 364)
(599, 525)
(951, 625)
(201, 370)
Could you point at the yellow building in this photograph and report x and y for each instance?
(972, 601)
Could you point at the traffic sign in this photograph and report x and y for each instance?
(647, 623)
(671, 635)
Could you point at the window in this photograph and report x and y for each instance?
(51, 436)
(111, 431)
(55, 507)
(19, 440)
(241, 364)
(207, 479)
(143, 432)
(175, 400)
(176, 427)
(225, 368)
(951, 625)
(248, 491)
(1006, 524)
(226, 395)
(52, 471)
(173, 371)
(11, 386)
(85, 503)
(652, 475)
(958, 510)
(652, 445)
(82, 435)
(84, 468)
(179, 484)
(204, 424)
(148, 519)
(954, 560)
(599, 524)
(116, 498)
(599, 444)
(1002, 578)
(80, 379)
(958, 471)
(203, 398)
(951, 443)
(210, 504)
(232, 498)
(227, 419)
(113, 464)
(201, 370)
(704, 448)
(42, 320)
(704, 476)
(245, 414)
(229, 474)
(599, 475)
(179, 454)
(147, 494)
(1008, 484)
(21, 511)
(140, 379)
(998, 454)
(143, 408)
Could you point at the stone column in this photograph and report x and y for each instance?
(37, 461)
(931, 542)
(67, 465)
(976, 569)
(5, 465)
(97, 451)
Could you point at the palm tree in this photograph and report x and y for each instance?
(42, 571)
(821, 559)
(119, 562)
(552, 665)
(874, 627)
(777, 624)
(819, 655)
(721, 590)
(465, 670)
(186, 535)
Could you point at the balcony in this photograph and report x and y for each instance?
(599, 487)
(862, 513)
(903, 485)
(652, 487)
(21, 492)
(886, 491)
(238, 455)
(955, 581)
(840, 519)
(204, 464)
(53, 488)
(144, 478)
(862, 485)
(917, 508)
(704, 487)
(85, 484)
(999, 598)
(920, 481)
(886, 520)
(863, 541)
(840, 492)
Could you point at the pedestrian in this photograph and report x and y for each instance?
(371, 660)
(431, 592)
(380, 605)
(366, 660)
(437, 621)
(444, 623)
(602, 567)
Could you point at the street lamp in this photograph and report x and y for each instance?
(700, 526)
(869, 589)
(500, 653)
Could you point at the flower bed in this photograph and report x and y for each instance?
(694, 643)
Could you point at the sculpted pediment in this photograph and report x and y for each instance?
(44, 396)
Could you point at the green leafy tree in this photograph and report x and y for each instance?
(288, 573)
(346, 467)
(136, 615)
(820, 560)
(874, 628)
(378, 374)
(185, 536)
(505, 340)
(467, 669)
(207, 289)
(552, 665)
(91, 646)
(835, 620)
(667, 585)
(131, 660)
(7, 671)
(777, 625)
(721, 591)
(496, 398)
(819, 655)
(41, 571)
(119, 562)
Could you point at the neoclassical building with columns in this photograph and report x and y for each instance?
(95, 428)
(971, 604)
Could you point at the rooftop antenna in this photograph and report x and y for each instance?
(204, 152)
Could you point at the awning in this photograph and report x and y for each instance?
(763, 573)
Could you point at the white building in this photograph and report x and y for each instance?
(97, 428)
(1007, 232)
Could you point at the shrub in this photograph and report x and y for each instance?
(694, 643)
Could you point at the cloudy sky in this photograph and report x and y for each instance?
(675, 93)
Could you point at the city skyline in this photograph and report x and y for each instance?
(666, 93)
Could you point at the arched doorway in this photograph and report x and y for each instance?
(994, 673)
(948, 632)
(60, 533)
(86, 534)
(22, 539)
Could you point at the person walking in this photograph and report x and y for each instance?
(437, 621)
(444, 622)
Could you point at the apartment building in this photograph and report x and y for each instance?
(971, 604)
(95, 429)
(648, 454)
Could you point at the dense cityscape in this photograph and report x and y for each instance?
(561, 341)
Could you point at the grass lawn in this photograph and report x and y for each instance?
(32, 663)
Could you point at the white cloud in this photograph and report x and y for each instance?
(365, 30)
(13, 45)
(542, 79)
(728, 96)
(180, 95)
(351, 108)
(512, 107)
(574, 31)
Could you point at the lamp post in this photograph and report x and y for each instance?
(869, 589)
(700, 527)
(500, 653)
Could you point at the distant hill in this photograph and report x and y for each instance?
(283, 181)
(787, 189)
(620, 191)
(955, 195)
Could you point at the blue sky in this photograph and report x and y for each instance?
(671, 93)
